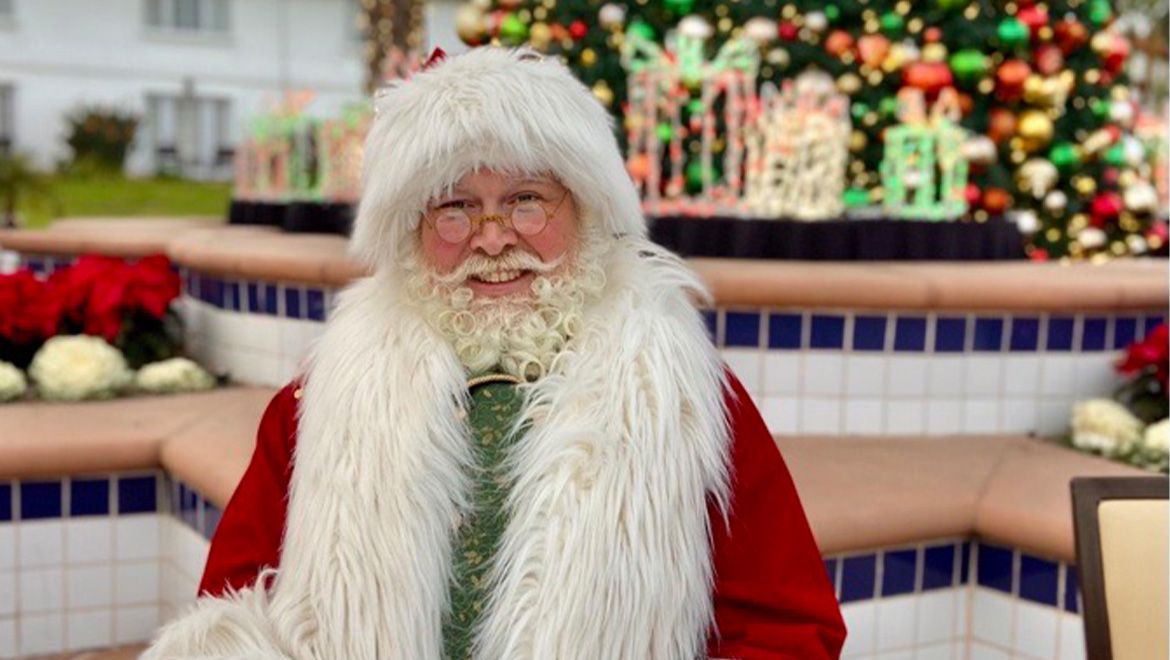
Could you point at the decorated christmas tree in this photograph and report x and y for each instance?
(1040, 91)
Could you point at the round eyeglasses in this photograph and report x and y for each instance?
(529, 217)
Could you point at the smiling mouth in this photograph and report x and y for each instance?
(500, 277)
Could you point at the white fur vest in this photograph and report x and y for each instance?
(607, 553)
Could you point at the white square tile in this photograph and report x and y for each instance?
(136, 583)
(824, 374)
(895, 623)
(41, 634)
(945, 376)
(89, 630)
(7, 638)
(41, 543)
(983, 375)
(865, 375)
(7, 546)
(992, 618)
(782, 371)
(7, 593)
(193, 552)
(747, 365)
(42, 590)
(985, 652)
(936, 652)
(89, 586)
(905, 416)
(1036, 630)
(1055, 417)
(905, 654)
(1021, 375)
(936, 617)
(1057, 375)
(89, 540)
(944, 416)
(908, 376)
(860, 622)
(980, 415)
(135, 624)
(1018, 415)
(863, 416)
(820, 416)
(1095, 376)
(1072, 637)
(780, 414)
(136, 536)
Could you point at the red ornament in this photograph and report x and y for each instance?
(930, 77)
(1118, 53)
(1110, 175)
(873, 48)
(1071, 35)
(1105, 207)
(838, 43)
(788, 31)
(1001, 125)
(1039, 254)
(932, 35)
(1048, 58)
(578, 29)
(973, 195)
(1034, 16)
(1010, 79)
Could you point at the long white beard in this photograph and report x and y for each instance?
(519, 335)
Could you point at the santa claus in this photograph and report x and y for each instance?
(515, 438)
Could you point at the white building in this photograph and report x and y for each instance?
(195, 71)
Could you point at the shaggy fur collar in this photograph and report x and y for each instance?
(607, 552)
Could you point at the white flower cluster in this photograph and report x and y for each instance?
(1157, 438)
(172, 376)
(79, 367)
(12, 382)
(1105, 427)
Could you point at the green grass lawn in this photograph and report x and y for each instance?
(118, 196)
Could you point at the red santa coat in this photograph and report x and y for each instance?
(772, 596)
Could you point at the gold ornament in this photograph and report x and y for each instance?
(1084, 185)
(1035, 129)
(1102, 43)
(540, 35)
(588, 57)
(935, 52)
(857, 142)
(1037, 176)
(470, 24)
(603, 93)
(849, 83)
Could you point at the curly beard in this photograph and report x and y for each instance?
(520, 335)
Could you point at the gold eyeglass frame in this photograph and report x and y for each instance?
(474, 223)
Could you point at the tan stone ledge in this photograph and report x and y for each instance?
(266, 254)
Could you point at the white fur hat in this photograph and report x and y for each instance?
(503, 109)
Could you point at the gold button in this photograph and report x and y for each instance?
(297, 393)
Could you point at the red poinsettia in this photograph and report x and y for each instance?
(1150, 355)
(30, 311)
(100, 293)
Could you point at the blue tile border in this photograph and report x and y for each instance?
(947, 564)
(783, 329)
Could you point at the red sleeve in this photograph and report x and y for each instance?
(249, 533)
(773, 598)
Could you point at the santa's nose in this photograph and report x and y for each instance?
(493, 236)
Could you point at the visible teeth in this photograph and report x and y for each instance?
(499, 276)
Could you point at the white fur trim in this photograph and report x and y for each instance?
(607, 553)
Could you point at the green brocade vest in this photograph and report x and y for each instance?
(495, 403)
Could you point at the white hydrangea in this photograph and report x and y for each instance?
(1157, 437)
(173, 375)
(1104, 426)
(77, 367)
(12, 382)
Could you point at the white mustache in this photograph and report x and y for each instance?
(477, 265)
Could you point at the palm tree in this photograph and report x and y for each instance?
(20, 181)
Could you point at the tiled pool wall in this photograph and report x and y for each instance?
(811, 372)
(93, 560)
(90, 561)
(957, 598)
